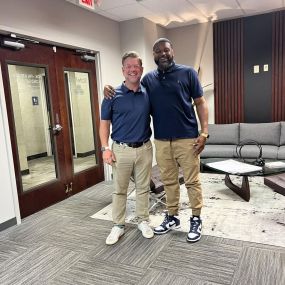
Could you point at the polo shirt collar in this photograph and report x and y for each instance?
(127, 90)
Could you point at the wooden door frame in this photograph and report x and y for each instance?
(70, 61)
(55, 191)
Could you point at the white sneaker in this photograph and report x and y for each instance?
(146, 230)
(114, 235)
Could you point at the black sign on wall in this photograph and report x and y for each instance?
(257, 68)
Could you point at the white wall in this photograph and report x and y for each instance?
(7, 210)
(193, 45)
(9, 206)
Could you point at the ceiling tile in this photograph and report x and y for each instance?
(110, 4)
(131, 11)
(109, 15)
(218, 9)
(177, 13)
(252, 6)
(72, 1)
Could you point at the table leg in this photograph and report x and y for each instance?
(243, 191)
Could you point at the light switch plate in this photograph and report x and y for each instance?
(265, 67)
(256, 69)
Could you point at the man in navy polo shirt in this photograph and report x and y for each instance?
(172, 89)
(129, 113)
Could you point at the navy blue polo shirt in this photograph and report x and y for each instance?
(129, 113)
(171, 93)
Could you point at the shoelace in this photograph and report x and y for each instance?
(194, 226)
(165, 221)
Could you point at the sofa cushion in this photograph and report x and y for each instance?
(282, 136)
(263, 133)
(223, 134)
(253, 151)
(281, 152)
(269, 151)
(218, 151)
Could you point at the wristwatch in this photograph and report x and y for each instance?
(103, 148)
(205, 135)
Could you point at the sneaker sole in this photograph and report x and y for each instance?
(115, 241)
(193, 240)
(149, 236)
(146, 236)
(171, 228)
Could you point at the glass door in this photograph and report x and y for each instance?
(53, 117)
(78, 77)
(80, 120)
(33, 125)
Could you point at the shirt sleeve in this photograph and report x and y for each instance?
(196, 88)
(106, 109)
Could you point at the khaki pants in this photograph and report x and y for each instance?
(137, 161)
(169, 156)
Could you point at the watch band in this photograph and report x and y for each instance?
(103, 148)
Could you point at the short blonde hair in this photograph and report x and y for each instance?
(132, 54)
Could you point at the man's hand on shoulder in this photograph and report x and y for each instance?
(109, 91)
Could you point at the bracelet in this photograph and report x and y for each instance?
(205, 135)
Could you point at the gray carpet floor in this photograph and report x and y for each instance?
(62, 245)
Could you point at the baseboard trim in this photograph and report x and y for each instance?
(84, 154)
(25, 172)
(8, 224)
(35, 156)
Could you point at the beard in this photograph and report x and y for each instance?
(163, 63)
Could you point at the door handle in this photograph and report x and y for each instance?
(57, 128)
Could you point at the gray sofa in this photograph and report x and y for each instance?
(225, 137)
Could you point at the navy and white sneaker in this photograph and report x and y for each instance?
(169, 223)
(195, 229)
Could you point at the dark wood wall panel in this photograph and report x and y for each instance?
(236, 87)
(278, 67)
(257, 52)
(228, 71)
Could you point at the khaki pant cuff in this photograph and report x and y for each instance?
(196, 212)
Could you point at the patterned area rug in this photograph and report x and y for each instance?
(261, 220)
